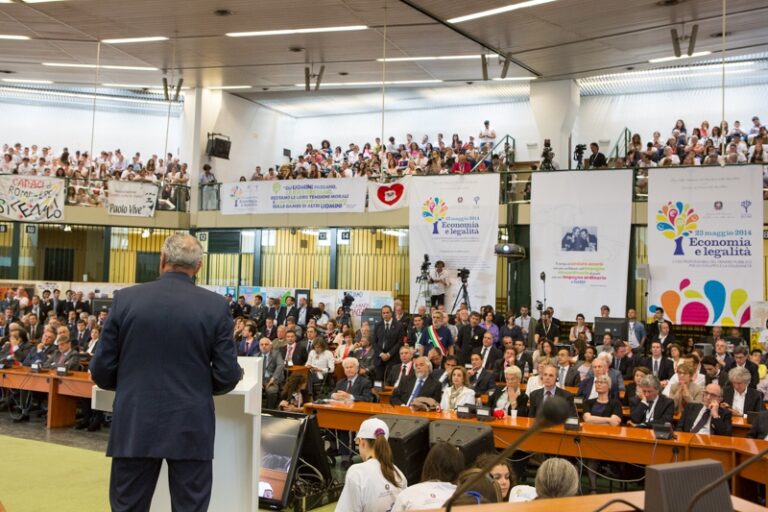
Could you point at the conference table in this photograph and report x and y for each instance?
(602, 442)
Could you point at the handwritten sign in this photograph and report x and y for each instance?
(32, 198)
(132, 199)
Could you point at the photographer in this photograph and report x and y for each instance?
(596, 160)
(438, 280)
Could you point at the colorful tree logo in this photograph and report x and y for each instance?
(676, 221)
(434, 210)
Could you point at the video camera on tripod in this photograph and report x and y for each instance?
(424, 275)
(546, 156)
(578, 155)
(463, 274)
(346, 309)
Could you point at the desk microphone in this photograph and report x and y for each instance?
(710, 487)
(554, 411)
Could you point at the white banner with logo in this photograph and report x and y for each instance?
(131, 198)
(294, 196)
(580, 228)
(32, 198)
(705, 243)
(455, 219)
(388, 196)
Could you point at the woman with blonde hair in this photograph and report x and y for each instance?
(685, 391)
(459, 392)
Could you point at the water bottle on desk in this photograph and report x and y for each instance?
(526, 372)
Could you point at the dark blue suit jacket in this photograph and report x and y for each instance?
(254, 349)
(166, 349)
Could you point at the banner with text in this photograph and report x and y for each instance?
(131, 198)
(388, 196)
(294, 196)
(32, 198)
(705, 243)
(580, 229)
(455, 219)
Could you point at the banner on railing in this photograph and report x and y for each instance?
(294, 196)
(388, 196)
(32, 198)
(131, 198)
(705, 243)
(455, 219)
(580, 229)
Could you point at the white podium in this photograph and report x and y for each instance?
(236, 450)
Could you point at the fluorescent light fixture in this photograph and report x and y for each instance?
(25, 81)
(393, 82)
(12, 37)
(499, 10)
(145, 233)
(94, 66)
(227, 87)
(155, 87)
(514, 78)
(134, 40)
(682, 57)
(393, 232)
(67, 228)
(41, 1)
(349, 28)
(82, 95)
(418, 59)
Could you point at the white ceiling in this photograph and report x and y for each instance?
(563, 39)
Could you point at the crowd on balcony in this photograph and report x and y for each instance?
(89, 176)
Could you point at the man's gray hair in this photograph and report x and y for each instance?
(650, 381)
(183, 251)
(352, 361)
(739, 374)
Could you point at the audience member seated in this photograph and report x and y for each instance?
(739, 398)
(601, 410)
(484, 490)
(506, 361)
(43, 350)
(501, 473)
(15, 350)
(741, 360)
(86, 352)
(567, 374)
(294, 394)
(273, 372)
(441, 468)
(535, 382)
(458, 392)
(366, 356)
(632, 395)
(510, 397)
(249, 346)
(419, 384)
(587, 387)
(707, 417)
(556, 478)
(653, 407)
(481, 380)
(321, 365)
(395, 375)
(685, 391)
(549, 389)
(353, 387)
(443, 373)
(523, 359)
(759, 428)
(660, 366)
(293, 353)
(487, 352)
(375, 483)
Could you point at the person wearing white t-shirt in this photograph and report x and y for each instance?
(441, 468)
(373, 485)
(487, 134)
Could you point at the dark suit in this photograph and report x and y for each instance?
(388, 341)
(494, 355)
(81, 339)
(624, 366)
(166, 349)
(270, 333)
(662, 413)
(393, 373)
(522, 360)
(665, 343)
(467, 342)
(360, 389)
(537, 399)
(69, 360)
(759, 427)
(81, 306)
(483, 382)
(572, 376)
(33, 356)
(259, 315)
(749, 365)
(585, 388)
(36, 332)
(718, 426)
(721, 378)
(299, 356)
(285, 312)
(252, 351)
(630, 396)
(666, 367)
(431, 388)
(753, 401)
(18, 356)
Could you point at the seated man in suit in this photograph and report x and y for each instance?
(599, 369)
(505, 362)
(354, 387)
(366, 357)
(741, 360)
(488, 353)
(396, 374)
(523, 359)
(654, 408)
(64, 356)
(739, 398)
(713, 372)
(622, 359)
(249, 346)
(443, 374)
(567, 374)
(294, 353)
(274, 372)
(660, 366)
(421, 383)
(707, 417)
(549, 380)
(759, 429)
(721, 353)
(480, 379)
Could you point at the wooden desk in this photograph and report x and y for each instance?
(592, 502)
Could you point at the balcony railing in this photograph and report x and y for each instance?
(95, 193)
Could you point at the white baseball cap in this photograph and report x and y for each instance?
(372, 428)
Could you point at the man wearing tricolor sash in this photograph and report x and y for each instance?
(439, 335)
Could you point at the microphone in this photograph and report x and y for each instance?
(543, 276)
(711, 486)
(554, 411)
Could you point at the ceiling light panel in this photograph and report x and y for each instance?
(349, 28)
(500, 10)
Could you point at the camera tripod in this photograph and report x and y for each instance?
(464, 295)
(422, 295)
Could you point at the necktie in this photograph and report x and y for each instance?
(60, 360)
(485, 351)
(561, 379)
(349, 385)
(655, 367)
(416, 391)
(289, 355)
(266, 365)
(548, 395)
(386, 327)
(700, 424)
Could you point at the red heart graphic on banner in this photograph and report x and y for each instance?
(389, 195)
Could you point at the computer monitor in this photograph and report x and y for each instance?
(281, 440)
(616, 326)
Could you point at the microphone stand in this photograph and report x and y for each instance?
(555, 414)
(711, 486)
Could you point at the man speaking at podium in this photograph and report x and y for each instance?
(166, 349)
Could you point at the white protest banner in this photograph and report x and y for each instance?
(388, 196)
(32, 198)
(294, 196)
(455, 219)
(705, 243)
(580, 228)
(131, 198)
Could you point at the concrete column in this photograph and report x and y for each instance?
(555, 106)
